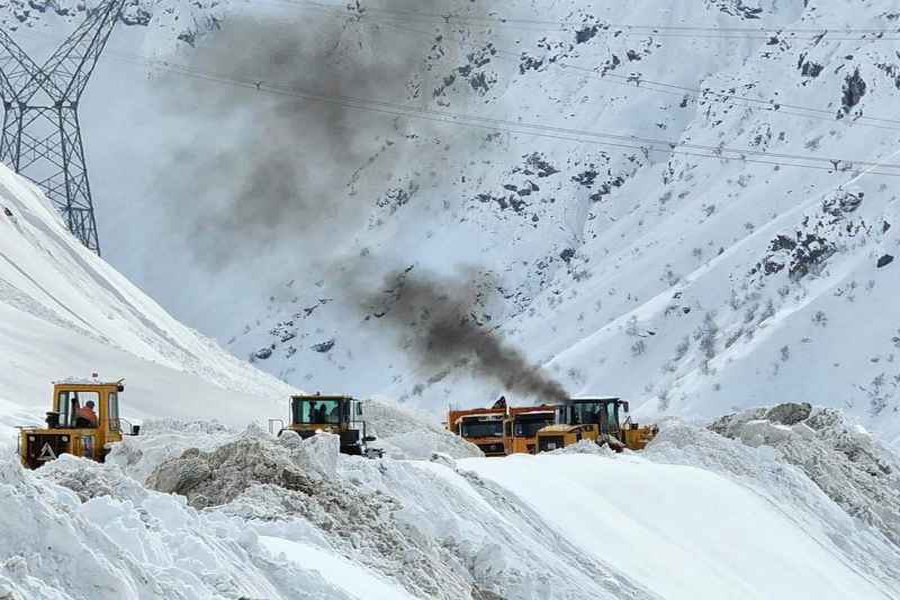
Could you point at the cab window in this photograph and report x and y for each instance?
(587, 413)
(529, 425)
(313, 411)
(481, 428)
(78, 409)
(64, 409)
(612, 416)
(114, 412)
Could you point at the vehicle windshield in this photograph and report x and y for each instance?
(314, 411)
(78, 409)
(529, 425)
(481, 428)
(586, 413)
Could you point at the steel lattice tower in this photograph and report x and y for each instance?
(41, 138)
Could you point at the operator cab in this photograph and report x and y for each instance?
(521, 427)
(604, 412)
(592, 419)
(340, 415)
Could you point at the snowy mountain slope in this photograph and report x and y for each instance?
(690, 284)
(67, 313)
(519, 212)
(168, 22)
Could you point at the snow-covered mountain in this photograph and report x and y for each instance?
(688, 204)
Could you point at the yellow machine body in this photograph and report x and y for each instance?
(597, 420)
(636, 437)
(68, 432)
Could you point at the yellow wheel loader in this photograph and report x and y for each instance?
(596, 420)
(340, 415)
(84, 422)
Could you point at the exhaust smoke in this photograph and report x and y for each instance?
(257, 167)
(441, 314)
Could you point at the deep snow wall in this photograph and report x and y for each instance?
(67, 313)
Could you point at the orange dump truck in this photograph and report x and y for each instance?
(480, 426)
(501, 430)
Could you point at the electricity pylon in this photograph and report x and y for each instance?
(41, 137)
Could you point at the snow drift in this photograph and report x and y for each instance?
(696, 516)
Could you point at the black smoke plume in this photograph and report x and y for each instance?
(262, 166)
(443, 316)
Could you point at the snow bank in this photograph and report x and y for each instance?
(696, 515)
(789, 489)
(419, 525)
(688, 532)
(81, 530)
(362, 582)
(847, 463)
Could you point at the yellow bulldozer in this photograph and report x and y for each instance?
(596, 420)
(84, 422)
(340, 415)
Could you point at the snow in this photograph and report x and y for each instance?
(675, 529)
(65, 313)
(339, 572)
(206, 504)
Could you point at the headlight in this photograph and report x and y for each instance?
(319, 431)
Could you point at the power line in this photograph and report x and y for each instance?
(613, 28)
(524, 128)
(634, 81)
(533, 129)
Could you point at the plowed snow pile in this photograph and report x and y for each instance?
(246, 515)
(847, 463)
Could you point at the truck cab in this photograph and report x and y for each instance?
(521, 426)
(480, 426)
(84, 421)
